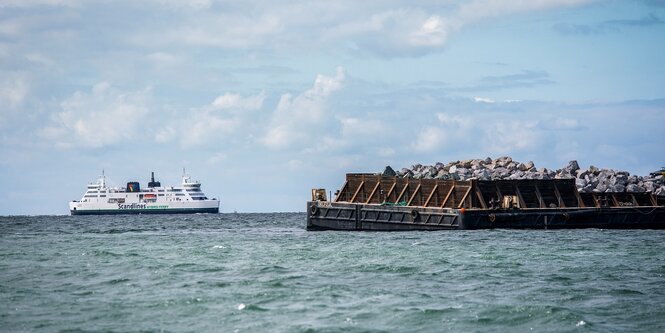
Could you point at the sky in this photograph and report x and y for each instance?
(262, 101)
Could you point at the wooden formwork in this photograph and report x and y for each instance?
(376, 189)
(483, 194)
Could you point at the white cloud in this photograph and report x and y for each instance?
(217, 158)
(433, 32)
(483, 100)
(39, 59)
(479, 9)
(454, 122)
(302, 120)
(429, 139)
(511, 136)
(206, 128)
(35, 3)
(236, 101)
(14, 88)
(565, 124)
(162, 59)
(414, 31)
(103, 117)
(227, 30)
(395, 32)
(209, 124)
(386, 152)
(354, 128)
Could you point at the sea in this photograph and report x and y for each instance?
(266, 273)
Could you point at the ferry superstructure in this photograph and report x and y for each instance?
(99, 199)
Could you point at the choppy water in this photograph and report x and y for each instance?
(265, 273)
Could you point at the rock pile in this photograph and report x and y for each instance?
(592, 179)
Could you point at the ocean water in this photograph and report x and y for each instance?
(266, 273)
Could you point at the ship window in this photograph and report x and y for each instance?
(161, 194)
(89, 196)
(102, 195)
(180, 194)
(175, 190)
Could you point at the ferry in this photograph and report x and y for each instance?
(99, 199)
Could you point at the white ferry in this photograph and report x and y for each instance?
(155, 199)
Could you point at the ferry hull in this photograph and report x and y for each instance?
(214, 210)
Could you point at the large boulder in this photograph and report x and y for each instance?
(503, 161)
(389, 172)
(572, 167)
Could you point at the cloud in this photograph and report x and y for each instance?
(429, 139)
(36, 3)
(483, 100)
(470, 11)
(505, 137)
(606, 26)
(302, 119)
(231, 31)
(104, 116)
(236, 101)
(14, 88)
(400, 32)
(526, 78)
(389, 29)
(208, 125)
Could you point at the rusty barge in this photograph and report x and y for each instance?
(374, 202)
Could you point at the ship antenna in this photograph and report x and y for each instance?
(103, 179)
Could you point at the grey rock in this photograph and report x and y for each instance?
(660, 191)
(572, 167)
(503, 161)
(389, 172)
(635, 188)
(580, 183)
(482, 174)
(501, 172)
(594, 170)
(581, 173)
(463, 171)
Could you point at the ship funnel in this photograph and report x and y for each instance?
(152, 182)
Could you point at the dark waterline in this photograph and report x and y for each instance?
(264, 272)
